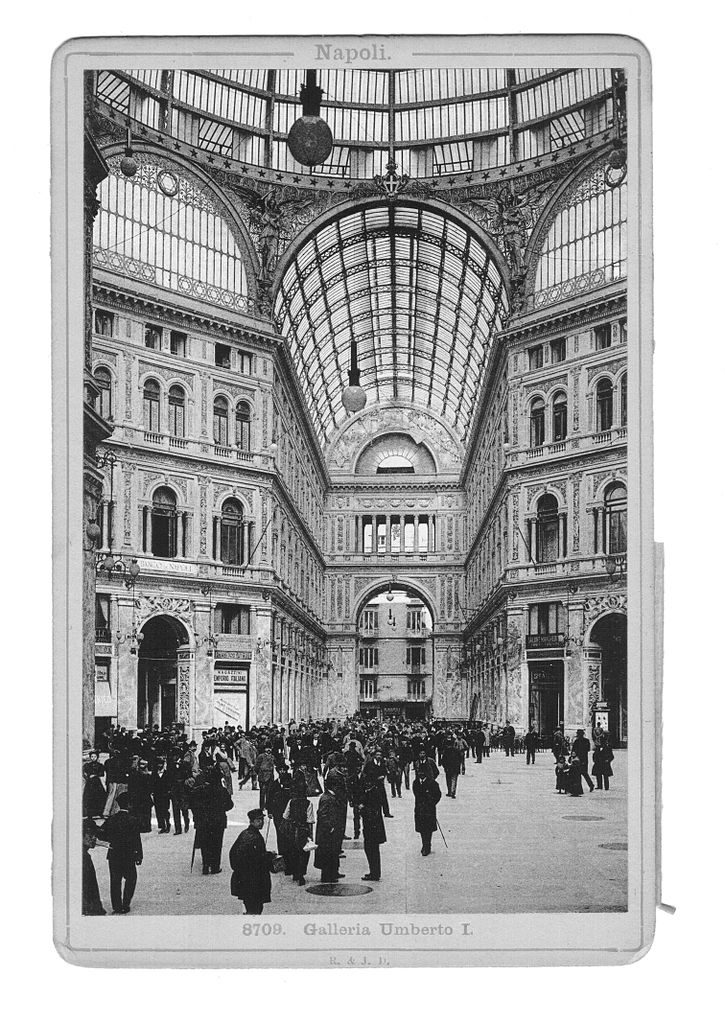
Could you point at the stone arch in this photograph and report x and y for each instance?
(380, 585)
(179, 164)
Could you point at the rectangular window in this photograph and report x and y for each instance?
(546, 619)
(409, 534)
(415, 657)
(623, 332)
(103, 618)
(536, 357)
(382, 535)
(370, 618)
(245, 363)
(104, 323)
(223, 356)
(177, 343)
(231, 619)
(603, 337)
(414, 619)
(395, 535)
(152, 337)
(368, 657)
(367, 537)
(558, 350)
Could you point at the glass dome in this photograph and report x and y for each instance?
(435, 121)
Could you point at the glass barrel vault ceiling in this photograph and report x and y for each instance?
(421, 297)
(437, 121)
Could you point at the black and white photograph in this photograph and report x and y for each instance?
(358, 591)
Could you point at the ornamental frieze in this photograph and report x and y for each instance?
(547, 385)
(157, 604)
(596, 606)
(612, 366)
(235, 390)
(168, 373)
(343, 450)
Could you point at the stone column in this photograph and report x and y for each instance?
(261, 709)
(127, 684)
(562, 535)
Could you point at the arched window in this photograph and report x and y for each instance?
(560, 421)
(151, 406)
(163, 523)
(177, 411)
(102, 378)
(547, 529)
(615, 511)
(242, 426)
(604, 405)
(221, 421)
(537, 422)
(232, 533)
(623, 400)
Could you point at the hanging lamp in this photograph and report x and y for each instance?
(310, 139)
(353, 396)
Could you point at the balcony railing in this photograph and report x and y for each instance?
(544, 641)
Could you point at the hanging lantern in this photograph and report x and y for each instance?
(353, 396)
(310, 139)
(128, 163)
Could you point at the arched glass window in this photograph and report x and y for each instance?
(615, 510)
(547, 528)
(151, 406)
(623, 399)
(604, 405)
(102, 378)
(163, 523)
(221, 420)
(537, 422)
(560, 418)
(232, 533)
(242, 426)
(177, 411)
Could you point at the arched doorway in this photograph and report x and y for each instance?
(158, 657)
(610, 634)
(395, 655)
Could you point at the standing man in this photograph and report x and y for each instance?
(264, 768)
(251, 863)
(328, 836)
(451, 761)
(531, 741)
(371, 812)
(509, 738)
(125, 854)
(161, 792)
(580, 748)
(427, 793)
(210, 802)
(486, 734)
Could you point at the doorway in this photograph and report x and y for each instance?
(158, 655)
(546, 698)
(610, 634)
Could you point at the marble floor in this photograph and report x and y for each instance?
(514, 846)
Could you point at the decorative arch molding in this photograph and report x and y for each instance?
(606, 481)
(536, 493)
(400, 444)
(380, 585)
(216, 195)
(370, 425)
(243, 497)
(309, 226)
(555, 205)
(176, 612)
(598, 608)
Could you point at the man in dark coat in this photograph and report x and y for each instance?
(140, 784)
(161, 792)
(278, 797)
(125, 853)
(509, 737)
(210, 801)
(602, 761)
(580, 748)
(251, 863)
(264, 768)
(427, 793)
(329, 836)
(531, 742)
(371, 812)
(451, 761)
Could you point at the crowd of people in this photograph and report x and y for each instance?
(349, 765)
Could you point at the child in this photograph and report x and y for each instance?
(561, 771)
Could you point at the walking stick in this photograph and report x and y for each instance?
(266, 834)
(441, 832)
(193, 853)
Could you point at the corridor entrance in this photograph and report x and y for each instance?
(395, 656)
(610, 633)
(158, 656)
